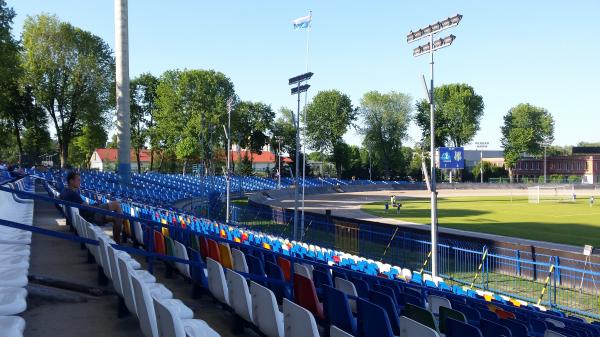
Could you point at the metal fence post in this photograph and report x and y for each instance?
(518, 256)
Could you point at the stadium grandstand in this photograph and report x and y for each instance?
(271, 285)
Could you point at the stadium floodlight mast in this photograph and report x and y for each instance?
(228, 173)
(545, 144)
(297, 90)
(480, 146)
(122, 90)
(429, 48)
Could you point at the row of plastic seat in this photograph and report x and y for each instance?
(159, 314)
(14, 258)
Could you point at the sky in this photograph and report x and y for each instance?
(541, 52)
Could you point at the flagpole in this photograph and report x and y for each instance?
(304, 130)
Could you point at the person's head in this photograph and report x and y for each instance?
(73, 179)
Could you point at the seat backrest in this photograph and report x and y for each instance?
(550, 333)
(435, 302)
(239, 260)
(126, 284)
(492, 329)
(226, 259)
(146, 314)
(456, 328)
(387, 303)
(274, 271)
(347, 288)
(373, 321)
(181, 252)
(103, 243)
(114, 269)
(239, 295)
(411, 328)
(265, 312)
(255, 265)
(471, 314)
(420, 315)
(446, 313)
(517, 329)
(196, 271)
(217, 284)
(302, 270)
(337, 309)
(167, 322)
(334, 331)
(298, 322)
(362, 287)
(305, 295)
(203, 246)
(159, 243)
(286, 267)
(322, 278)
(213, 250)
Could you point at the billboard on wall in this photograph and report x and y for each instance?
(452, 158)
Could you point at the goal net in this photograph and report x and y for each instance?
(555, 193)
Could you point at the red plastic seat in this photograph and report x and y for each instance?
(159, 243)
(305, 296)
(203, 246)
(286, 267)
(213, 250)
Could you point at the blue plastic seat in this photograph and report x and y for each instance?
(489, 315)
(321, 279)
(517, 329)
(538, 326)
(372, 320)
(337, 310)
(255, 265)
(456, 328)
(278, 286)
(473, 316)
(492, 329)
(362, 288)
(387, 303)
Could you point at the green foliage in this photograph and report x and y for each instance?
(328, 117)
(36, 138)
(93, 136)
(526, 128)
(191, 113)
(556, 150)
(284, 131)
(385, 119)
(489, 171)
(142, 109)
(250, 122)
(71, 72)
(574, 179)
(458, 111)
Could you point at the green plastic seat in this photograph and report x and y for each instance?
(420, 315)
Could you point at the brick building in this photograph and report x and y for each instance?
(583, 163)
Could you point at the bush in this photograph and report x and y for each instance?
(574, 179)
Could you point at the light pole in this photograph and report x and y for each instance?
(228, 173)
(545, 144)
(297, 90)
(122, 90)
(370, 165)
(480, 146)
(279, 164)
(430, 48)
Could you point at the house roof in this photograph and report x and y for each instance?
(263, 157)
(111, 155)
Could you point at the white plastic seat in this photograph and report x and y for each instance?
(114, 269)
(239, 295)
(181, 252)
(104, 242)
(143, 294)
(409, 327)
(302, 270)
(239, 260)
(550, 333)
(170, 323)
(8, 249)
(13, 277)
(217, 284)
(407, 274)
(265, 312)
(334, 331)
(347, 288)
(435, 302)
(297, 321)
(12, 301)
(12, 326)
(125, 272)
(14, 262)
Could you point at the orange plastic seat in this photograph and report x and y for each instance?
(159, 243)
(286, 267)
(226, 258)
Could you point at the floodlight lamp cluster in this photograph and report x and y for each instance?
(433, 28)
(437, 44)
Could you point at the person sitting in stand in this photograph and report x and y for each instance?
(71, 193)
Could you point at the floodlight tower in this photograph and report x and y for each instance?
(429, 48)
(122, 90)
(297, 90)
(228, 174)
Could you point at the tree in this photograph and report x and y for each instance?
(526, 128)
(71, 72)
(458, 111)
(191, 112)
(143, 107)
(250, 122)
(328, 117)
(385, 121)
(11, 98)
(36, 138)
(93, 136)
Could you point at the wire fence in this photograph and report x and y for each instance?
(568, 284)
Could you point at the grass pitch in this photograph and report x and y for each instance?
(574, 223)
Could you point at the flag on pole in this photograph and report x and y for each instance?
(303, 22)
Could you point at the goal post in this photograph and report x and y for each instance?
(552, 193)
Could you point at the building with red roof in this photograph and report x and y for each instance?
(106, 159)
